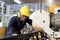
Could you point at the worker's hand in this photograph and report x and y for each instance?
(36, 27)
(24, 31)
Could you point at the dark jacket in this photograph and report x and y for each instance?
(15, 25)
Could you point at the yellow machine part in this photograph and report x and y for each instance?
(2, 32)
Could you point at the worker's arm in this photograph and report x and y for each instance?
(29, 21)
(10, 29)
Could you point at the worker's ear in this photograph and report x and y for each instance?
(18, 14)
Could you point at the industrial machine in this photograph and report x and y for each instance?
(42, 21)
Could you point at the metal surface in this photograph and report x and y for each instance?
(56, 20)
(42, 20)
(22, 36)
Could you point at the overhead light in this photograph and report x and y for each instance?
(50, 2)
(18, 1)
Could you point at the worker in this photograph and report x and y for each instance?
(17, 22)
(51, 10)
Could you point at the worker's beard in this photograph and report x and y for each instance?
(23, 19)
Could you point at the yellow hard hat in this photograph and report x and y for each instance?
(51, 9)
(24, 11)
